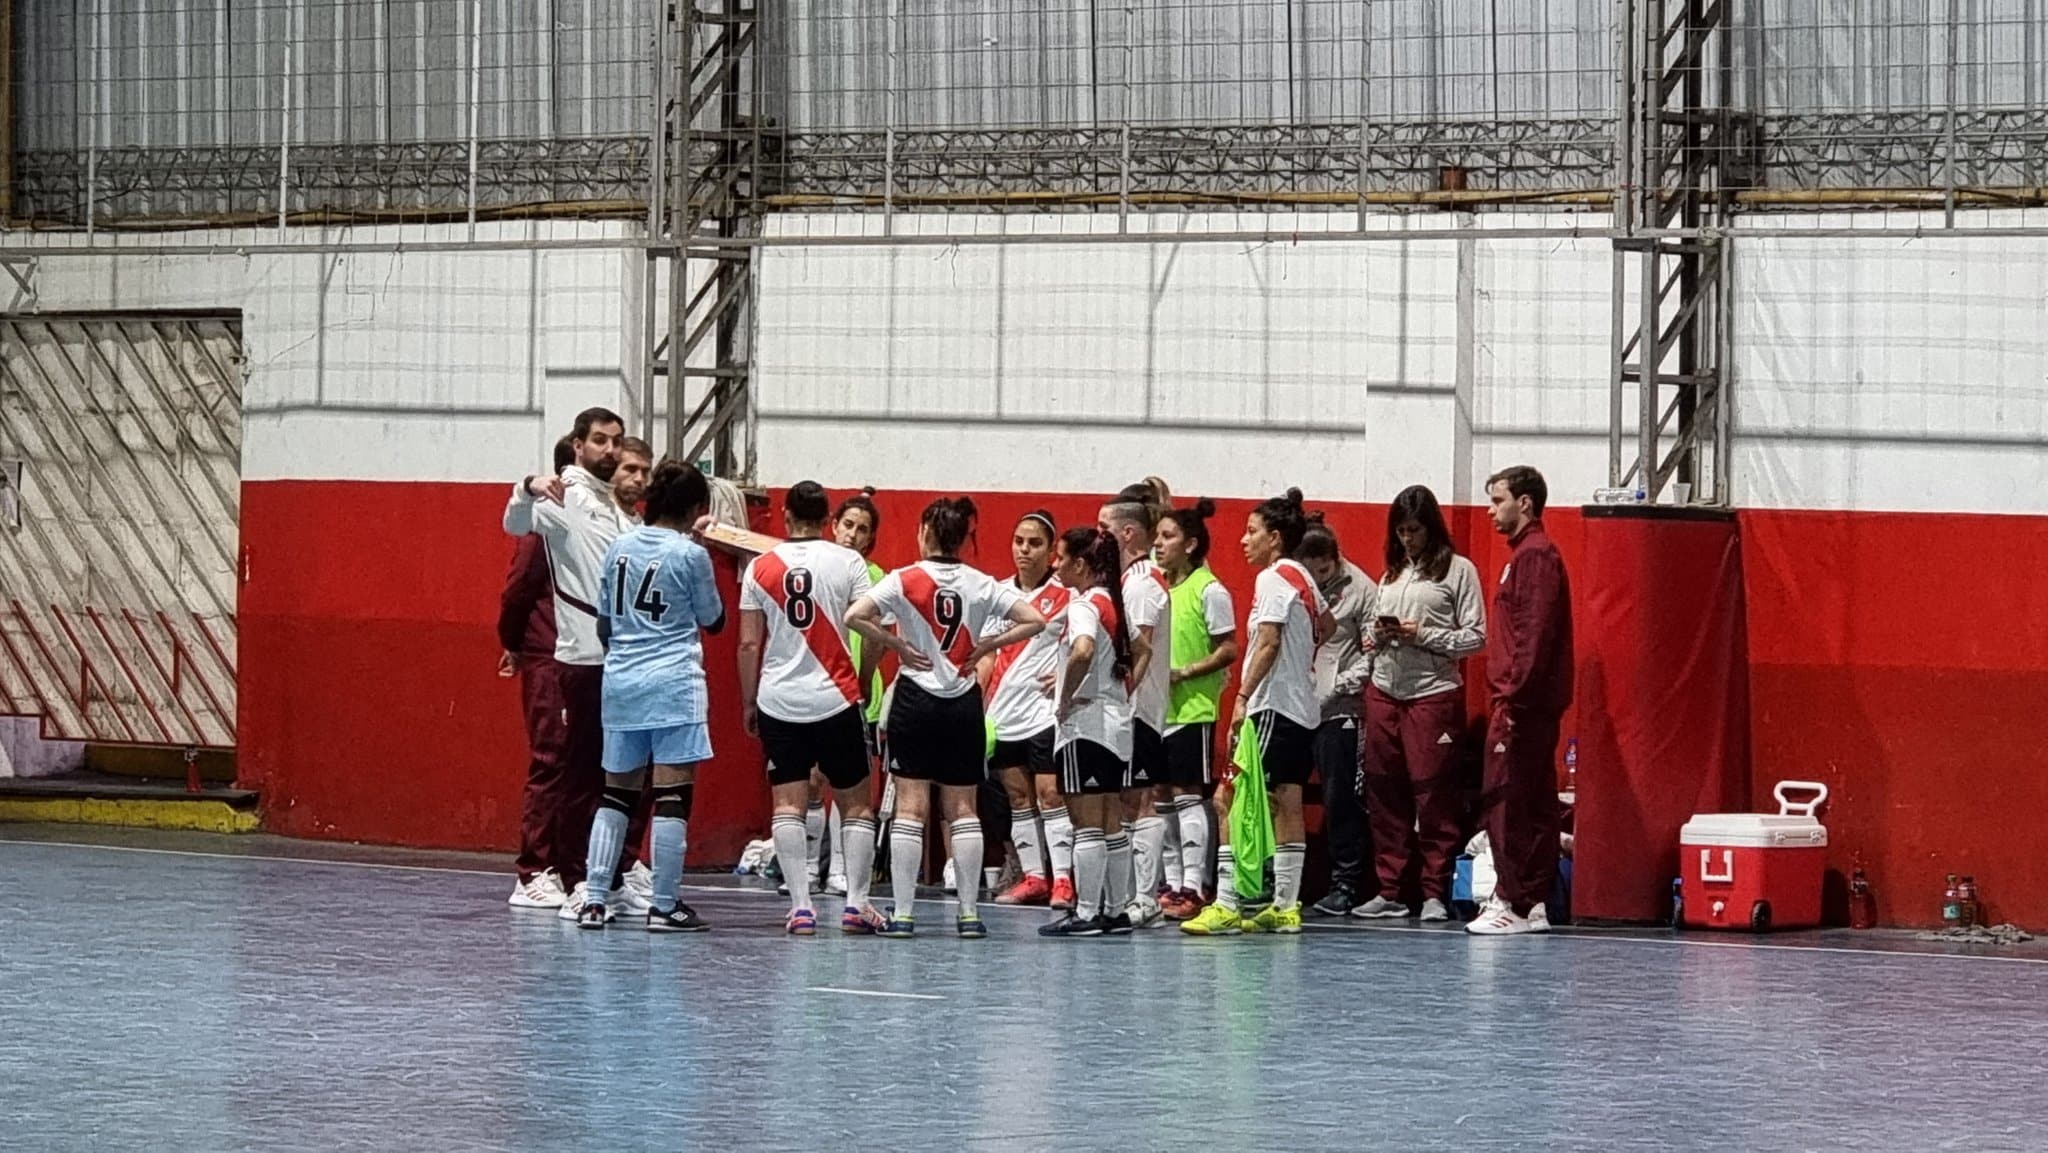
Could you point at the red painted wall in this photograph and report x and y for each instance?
(370, 709)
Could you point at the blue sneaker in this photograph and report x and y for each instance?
(971, 926)
(901, 928)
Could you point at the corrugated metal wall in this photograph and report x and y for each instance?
(204, 73)
(197, 73)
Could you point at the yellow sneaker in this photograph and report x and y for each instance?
(1214, 921)
(1287, 920)
(1266, 920)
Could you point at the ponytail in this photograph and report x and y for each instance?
(1099, 552)
(951, 521)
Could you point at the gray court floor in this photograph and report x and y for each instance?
(185, 992)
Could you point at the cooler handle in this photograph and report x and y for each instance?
(1791, 808)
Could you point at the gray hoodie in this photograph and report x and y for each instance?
(1343, 663)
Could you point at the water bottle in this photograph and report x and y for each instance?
(1862, 908)
(1951, 904)
(1571, 766)
(1678, 902)
(1968, 908)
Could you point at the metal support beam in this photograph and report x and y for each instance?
(708, 190)
(1683, 154)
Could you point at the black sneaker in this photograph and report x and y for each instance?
(1336, 903)
(593, 916)
(683, 919)
(1119, 925)
(1072, 926)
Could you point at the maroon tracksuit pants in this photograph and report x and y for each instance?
(582, 692)
(1411, 788)
(1519, 800)
(547, 771)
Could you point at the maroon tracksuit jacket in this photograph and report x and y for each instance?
(1529, 677)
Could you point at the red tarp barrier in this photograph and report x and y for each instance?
(1663, 699)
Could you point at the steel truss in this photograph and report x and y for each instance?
(154, 184)
(1683, 153)
(705, 193)
(1981, 155)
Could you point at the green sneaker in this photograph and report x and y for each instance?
(1273, 919)
(1214, 921)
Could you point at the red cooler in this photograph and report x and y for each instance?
(1755, 870)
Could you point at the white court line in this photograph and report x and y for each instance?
(337, 864)
(1580, 935)
(1696, 943)
(873, 993)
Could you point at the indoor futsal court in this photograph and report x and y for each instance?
(188, 992)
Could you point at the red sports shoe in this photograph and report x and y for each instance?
(1063, 895)
(1032, 890)
(1179, 906)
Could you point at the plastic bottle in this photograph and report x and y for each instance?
(1968, 911)
(1862, 908)
(1571, 766)
(1952, 904)
(1678, 902)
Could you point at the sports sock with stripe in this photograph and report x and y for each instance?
(860, 861)
(1059, 842)
(1226, 879)
(1171, 867)
(1091, 866)
(787, 830)
(607, 840)
(1194, 841)
(1287, 861)
(967, 854)
(906, 857)
(1118, 846)
(1148, 844)
(1024, 835)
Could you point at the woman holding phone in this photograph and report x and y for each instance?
(1430, 614)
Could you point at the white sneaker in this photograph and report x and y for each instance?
(1539, 918)
(1434, 911)
(543, 890)
(1499, 921)
(627, 899)
(835, 885)
(640, 879)
(1144, 912)
(1380, 909)
(572, 908)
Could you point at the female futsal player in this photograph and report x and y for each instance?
(1021, 714)
(1277, 691)
(1094, 731)
(1202, 645)
(937, 731)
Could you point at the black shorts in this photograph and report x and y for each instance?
(1148, 756)
(835, 745)
(1033, 754)
(1090, 770)
(1286, 750)
(943, 740)
(1191, 755)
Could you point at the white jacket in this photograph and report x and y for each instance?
(578, 532)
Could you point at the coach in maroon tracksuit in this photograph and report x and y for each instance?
(1529, 683)
(550, 855)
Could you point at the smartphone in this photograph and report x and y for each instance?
(1391, 624)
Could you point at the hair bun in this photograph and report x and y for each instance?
(1205, 508)
(1315, 518)
(1293, 497)
(964, 505)
(867, 490)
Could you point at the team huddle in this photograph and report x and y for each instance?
(1089, 684)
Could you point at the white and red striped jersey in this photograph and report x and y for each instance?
(1286, 595)
(804, 588)
(1148, 602)
(941, 609)
(1102, 708)
(1017, 706)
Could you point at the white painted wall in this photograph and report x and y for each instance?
(1870, 373)
(24, 752)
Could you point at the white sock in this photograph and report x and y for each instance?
(967, 848)
(859, 861)
(1194, 841)
(835, 835)
(1120, 877)
(1148, 841)
(906, 856)
(1287, 859)
(1091, 866)
(1024, 835)
(788, 833)
(1059, 842)
(1172, 867)
(814, 837)
(1226, 879)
